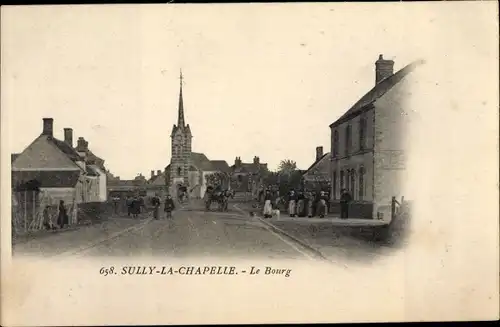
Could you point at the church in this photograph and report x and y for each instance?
(188, 169)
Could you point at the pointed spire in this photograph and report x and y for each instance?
(180, 120)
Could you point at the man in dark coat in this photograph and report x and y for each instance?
(155, 201)
(169, 206)
(62, 219)
(345, 198)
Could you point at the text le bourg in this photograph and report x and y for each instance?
(192, 270)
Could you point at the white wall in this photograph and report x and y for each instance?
(391, 124)
(103, 190)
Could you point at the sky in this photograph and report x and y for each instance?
(260, 80)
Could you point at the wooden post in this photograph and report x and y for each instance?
(25, 213)
(393, 207)
(33, 211)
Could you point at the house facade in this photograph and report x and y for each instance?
(318, 175)
(187, 168)
(368, 144)
(62, 172)
(248, 177)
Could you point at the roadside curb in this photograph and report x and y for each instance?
(109, 238)
(282, 232)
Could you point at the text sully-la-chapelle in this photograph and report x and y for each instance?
(192, 270)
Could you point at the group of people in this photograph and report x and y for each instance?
(304, 203)
(168, 207)
(62, 217)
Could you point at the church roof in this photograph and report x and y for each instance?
(376, 92)
(220, 165)
(200, 161)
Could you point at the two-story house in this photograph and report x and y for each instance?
(368, 144)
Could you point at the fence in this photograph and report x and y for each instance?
(28, 211)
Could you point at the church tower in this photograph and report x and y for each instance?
(181, 148)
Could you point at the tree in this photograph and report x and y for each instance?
(287, 166)
(217, 178)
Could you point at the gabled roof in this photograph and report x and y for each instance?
(325, 156)
(200, 161)
(249, 168)
(220, 165)
(46, 178)
(65, 148)
(376, 92)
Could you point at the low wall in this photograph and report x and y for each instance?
(395, 233)
(357, 209)
(92, 211)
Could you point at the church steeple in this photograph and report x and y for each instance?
(180, 119)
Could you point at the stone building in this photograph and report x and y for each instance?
(368, 144)
(248, 177)
(187, 168)
(318, 175)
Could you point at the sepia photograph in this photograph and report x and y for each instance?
(313, 148)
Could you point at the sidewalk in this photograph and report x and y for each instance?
(335, 238)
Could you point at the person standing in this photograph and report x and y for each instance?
(267, 204)
(169, 206)
(62, 219)
(129, 203)
(345, 199)
(156, 206)
(292, 200)
(321, 206)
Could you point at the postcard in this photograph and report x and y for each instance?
(249, 163)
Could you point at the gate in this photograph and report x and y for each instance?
(28, 210)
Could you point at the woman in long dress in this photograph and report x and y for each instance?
(268, 208)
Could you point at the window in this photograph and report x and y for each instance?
(347, 140)
(362, 133)
(179, 171)
(341, 180)
(352, 184)
(361, 188)
(335, 143)
(334, 192)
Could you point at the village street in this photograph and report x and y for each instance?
(191, 233)
(195, 233)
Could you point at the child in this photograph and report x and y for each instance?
(169, 206)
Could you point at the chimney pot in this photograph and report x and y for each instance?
(158, 172)
(152, 173)
(383, 69)
(319, 152)
(68, 136)
(48, 126)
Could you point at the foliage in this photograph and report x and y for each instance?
(287, 166)
(217, 178)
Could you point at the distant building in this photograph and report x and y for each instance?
(156, 184)
(248, 177)
(318, 175)
(188, 169)
(58, 170)
(368, 153)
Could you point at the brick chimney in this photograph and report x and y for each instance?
(158, 172)
(82, 146)
(68, 136)
(383, 69)
(48, 126)
(237, 162)
(256, 160)
(319, 152)
(152, 173)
